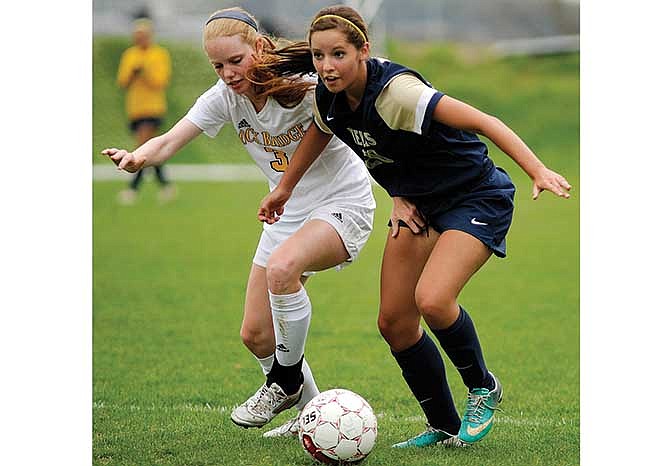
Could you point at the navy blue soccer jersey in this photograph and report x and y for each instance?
(392, 130)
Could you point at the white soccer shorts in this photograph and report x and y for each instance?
(352, 223)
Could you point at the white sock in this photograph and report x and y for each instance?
(291, 314)
(309, 391)
(266, 363)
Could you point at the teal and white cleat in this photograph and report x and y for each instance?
(430, 437)
(478, 418)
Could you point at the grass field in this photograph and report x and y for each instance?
(169, 281)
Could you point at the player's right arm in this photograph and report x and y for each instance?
(155, 151)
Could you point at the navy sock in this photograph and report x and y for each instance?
(423, 370)
(289, 378)
(461, 343)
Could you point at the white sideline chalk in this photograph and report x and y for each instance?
(187, 172)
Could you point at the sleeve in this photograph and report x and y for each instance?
(317, 117)
(125, 71)
(407, 103)
(157, 73)
(210, 112)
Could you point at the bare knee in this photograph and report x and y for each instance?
(260, 341)
(283, 274)
(439, 310)
(399, 332)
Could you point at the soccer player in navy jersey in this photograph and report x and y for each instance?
(452, 207)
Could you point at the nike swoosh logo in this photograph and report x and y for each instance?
(329, 118)
(475, 222)
(478, 429)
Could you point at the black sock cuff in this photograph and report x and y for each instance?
(462, 318)
(286, 376)
(415, 348)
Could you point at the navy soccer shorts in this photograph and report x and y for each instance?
(485, 212)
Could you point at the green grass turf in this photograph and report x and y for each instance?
(169, 285)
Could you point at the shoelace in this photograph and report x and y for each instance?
(254, 398)
(267, 400)
(475, 407)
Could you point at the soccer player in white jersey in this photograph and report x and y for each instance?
(324, 225)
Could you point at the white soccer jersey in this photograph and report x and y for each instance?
(272, 135)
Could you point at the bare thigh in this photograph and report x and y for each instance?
(404, 259)
(454, 260)
(315, 246)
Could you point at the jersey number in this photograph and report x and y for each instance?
(280, 164)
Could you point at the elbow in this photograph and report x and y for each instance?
(488, 126)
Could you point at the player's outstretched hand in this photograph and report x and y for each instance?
(407, 212)
(272, 206)
(548, 180)
(125, 160)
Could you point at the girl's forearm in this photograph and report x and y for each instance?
(311, 146)
(511, 144)
(156, 151)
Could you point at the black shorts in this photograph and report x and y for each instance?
(485, 212)
(155, 121)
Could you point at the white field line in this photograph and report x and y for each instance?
(519, 421)
(193, 172)
(187, 172)
(537, 45)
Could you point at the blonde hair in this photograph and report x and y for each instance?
(287, 90)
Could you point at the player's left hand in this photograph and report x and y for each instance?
(548, 180)
(407, 212)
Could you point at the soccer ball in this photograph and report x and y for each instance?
(337, 426)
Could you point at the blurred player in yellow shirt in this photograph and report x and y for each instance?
(144, 72)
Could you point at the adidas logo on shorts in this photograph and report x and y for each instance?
(337, 215)
(243, 124)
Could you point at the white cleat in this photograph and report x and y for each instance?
(288, 429)
(263, 406)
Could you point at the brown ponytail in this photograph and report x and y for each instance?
(279, 72)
